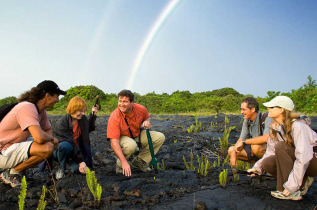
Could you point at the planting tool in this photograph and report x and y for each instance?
(153, 161)
(250, 173)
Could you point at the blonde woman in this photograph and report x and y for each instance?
(72, 130)
(290, 153)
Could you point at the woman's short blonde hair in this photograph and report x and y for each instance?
(76, 104)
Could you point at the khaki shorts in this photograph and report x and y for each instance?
(15, 154)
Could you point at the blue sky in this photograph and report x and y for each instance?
(252, 46)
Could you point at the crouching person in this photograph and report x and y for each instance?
(251, 145)
(290, 151)
(73, 132)
(126, 137)
(17, 151)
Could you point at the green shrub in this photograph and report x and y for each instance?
(8, 100)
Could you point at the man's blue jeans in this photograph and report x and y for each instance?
(62, 154)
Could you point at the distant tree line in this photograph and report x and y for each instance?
(226, 100)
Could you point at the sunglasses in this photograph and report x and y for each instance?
(274, 107)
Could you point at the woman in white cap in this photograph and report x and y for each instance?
(290, 153)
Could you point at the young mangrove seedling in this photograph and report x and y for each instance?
(226, 160)
(214, 164)
(203, 165)
(190, 166)
(219, 160)
(42, 201)
(93, 186)
(22, 193)
(236, 178)
(195, 128)
(223, 177)
(225, 137)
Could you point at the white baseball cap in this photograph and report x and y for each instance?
(281, 101)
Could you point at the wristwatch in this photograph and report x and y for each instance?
(243, 141)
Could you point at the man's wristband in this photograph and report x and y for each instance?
(243, 141)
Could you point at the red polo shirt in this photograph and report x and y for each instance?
(118, 127)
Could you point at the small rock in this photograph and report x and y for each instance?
(167, 156)
(61, 198)
(200, 206)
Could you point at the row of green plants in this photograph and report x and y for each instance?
(94, 187)
(225, 100)
(204, 167)
(195, 128)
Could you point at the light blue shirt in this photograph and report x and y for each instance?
(252, 129)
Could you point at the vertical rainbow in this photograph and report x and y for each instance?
(149, 39)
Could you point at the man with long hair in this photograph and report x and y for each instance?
(28, 117)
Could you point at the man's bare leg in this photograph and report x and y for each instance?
(38, 152)
(258, 150)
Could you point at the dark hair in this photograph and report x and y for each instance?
(251, 103)
(32, 96)
(126, 93)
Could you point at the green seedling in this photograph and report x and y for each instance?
(160, 166)
(175, 141)
(191, 129)
(224, 140)
(42, 201)
(213, 124)
(236, 178)
(195, 128)
(190, 166)
(203, 166)
(22, 193)
(243, 166)
(226, 160)
(93, 186)
(223, 177)
(214, 164)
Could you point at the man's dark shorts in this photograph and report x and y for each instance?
(248, 150)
